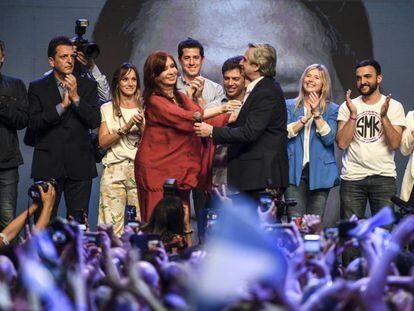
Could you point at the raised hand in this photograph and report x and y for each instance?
(222, 195)
(65, 101)
(385, 106)
(313, 222)
(231, 105)
(352, 108)
(196, 88)
(136, 120)
(72, 86)
(87, 62)
(314, 102)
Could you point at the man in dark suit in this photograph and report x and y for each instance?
(13, 117)
(62, 110)
(257, 140)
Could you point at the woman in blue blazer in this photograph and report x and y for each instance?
(312, 125)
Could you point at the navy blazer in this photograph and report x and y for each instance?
(257, 140)
(63, 146)
(323, 169)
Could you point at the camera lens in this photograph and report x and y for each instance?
(59, 237)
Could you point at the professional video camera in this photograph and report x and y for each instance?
(34, 192)
(90, 49)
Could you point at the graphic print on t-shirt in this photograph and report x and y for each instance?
(368, 127)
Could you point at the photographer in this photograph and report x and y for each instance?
(94, 73)
(13, 117)
(13, 229)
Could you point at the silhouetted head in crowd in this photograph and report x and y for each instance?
(167, 219)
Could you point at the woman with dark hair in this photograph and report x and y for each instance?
(312, 125)
(167, 220)
(169, 147)
(120, 133)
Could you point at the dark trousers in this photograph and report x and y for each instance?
(377, 190)
(308, 201)
(77, 195)
(200, 200)
(9, 179)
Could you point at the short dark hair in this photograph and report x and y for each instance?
(55, 42)
(188, 44)
(369, 62)
(2, 46)
(232, 63)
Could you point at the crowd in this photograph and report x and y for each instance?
(190, 133)
(62, 267)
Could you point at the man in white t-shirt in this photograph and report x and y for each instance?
(369, 130)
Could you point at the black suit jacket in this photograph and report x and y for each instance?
(63, 146)
(258, 140)
(13, 117)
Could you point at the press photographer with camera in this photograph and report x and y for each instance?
(13, 117)
(46, 202)
(85, 64)
(63, 108)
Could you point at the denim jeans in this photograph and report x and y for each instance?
(8, 195)
(308, 201)
(377, 190)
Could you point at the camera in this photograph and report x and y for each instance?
(145, 242)
(34, 192)
(312, 244)
(93, 238)
(90, 49)
(60, 231)
(131, 216)
(170, 187)
(265, 201)
(272, 194)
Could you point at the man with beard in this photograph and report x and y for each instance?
(369, 130)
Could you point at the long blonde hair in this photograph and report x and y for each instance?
(122, 71)
(325, 94)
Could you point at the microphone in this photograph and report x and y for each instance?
(198, 118)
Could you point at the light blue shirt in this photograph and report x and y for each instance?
(211, 92)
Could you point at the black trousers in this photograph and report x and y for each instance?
(77, 195)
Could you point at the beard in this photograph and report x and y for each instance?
(371, 89)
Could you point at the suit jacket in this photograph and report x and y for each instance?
(13, 117)
(63, 146)
(323, 169)
(257, 140)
